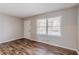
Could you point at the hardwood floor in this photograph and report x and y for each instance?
(28, 47)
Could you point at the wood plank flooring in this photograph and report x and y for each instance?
(28, 47)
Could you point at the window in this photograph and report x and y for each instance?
(41, 26)
(54, 25)
(50, 26)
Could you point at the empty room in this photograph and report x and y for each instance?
(39, 28)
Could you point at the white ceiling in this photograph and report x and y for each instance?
(30, 9)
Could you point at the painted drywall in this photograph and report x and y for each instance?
(11, 28)
(68, 37)
(78, 26)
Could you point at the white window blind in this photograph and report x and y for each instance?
(49, 26)
(41, 26)
(54, 26)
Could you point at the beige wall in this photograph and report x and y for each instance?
(68, 37)
(78, 27)
(11, 28)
